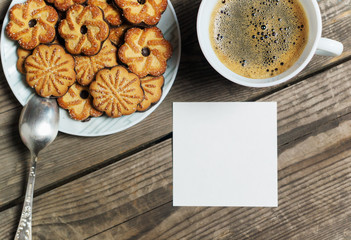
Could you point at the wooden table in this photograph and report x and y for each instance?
(120, 186)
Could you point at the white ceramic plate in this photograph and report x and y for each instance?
(102, 125)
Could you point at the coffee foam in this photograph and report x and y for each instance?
(258, 39)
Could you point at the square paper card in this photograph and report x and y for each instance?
(225, 154)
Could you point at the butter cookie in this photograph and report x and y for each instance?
(116, 92)
(78, 102)
(142, 11)
(87, 66)
(63, 5)
(117, 34)
(32, 23)
(22, 55)
(145, 51)
(152, 87)
(50, 70)
(111, 14)
(83, 30)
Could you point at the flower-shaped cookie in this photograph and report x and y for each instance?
(116, 92)
(112, 15)
(78, 103)
(87, 66)
(117, 34)
(32, 23)
(145, 51)
(63, 5)
(83, 29)
(22, 54)
(142, 11)
(50, 70)
(152, 87)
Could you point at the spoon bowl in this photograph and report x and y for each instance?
(38, 127)
(38, 123)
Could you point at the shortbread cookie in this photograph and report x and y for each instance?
(87, 66)
(78, 102)
(50, 70)
(142, 11)
(117, 34)
(22, 55)
(112, 15)
(116, 92)
(152, 87)
(145, 51)
(56, 41)
(32, 23)
(83, 30)
(64, 5)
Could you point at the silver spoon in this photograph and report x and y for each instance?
(38, 127)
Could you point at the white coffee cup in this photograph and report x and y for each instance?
(315, 45)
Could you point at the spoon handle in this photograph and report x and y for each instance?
(24, 230)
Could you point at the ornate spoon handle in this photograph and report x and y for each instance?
(24, 230)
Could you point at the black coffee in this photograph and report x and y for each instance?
(258, 39)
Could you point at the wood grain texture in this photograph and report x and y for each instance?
(196, 81)
(314, 176)
(102, 199)
(132, 198)
(4, 5)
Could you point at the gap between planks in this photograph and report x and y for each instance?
(130, 219)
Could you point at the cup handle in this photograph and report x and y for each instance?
(329, 47)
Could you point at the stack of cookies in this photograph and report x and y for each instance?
(95, 56)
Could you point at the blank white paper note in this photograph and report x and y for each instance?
(225, 154)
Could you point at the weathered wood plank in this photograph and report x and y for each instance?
(4, 5)
(314, 177)
(318, 201)
(196, 81)
(320, 213)
(123, 190)
(132, 198)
